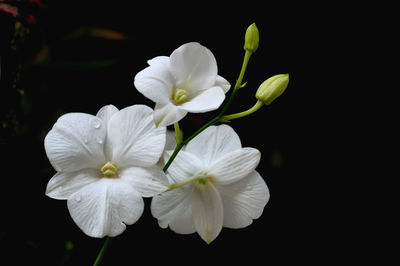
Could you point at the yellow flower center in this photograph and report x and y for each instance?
(109, 169)
(179, 96)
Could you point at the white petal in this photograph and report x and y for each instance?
(193, 66)
(134, 138)
(207, 100)
(75, 142)
(62, 185)
(163, 60)
(214, 143)
(156, 82)
(235, 165)
(244, 200)
(223, 83)
(170, 144)
(106, 112)
(207, 212)
(148, 181)
(105, 207)
(167, 114)
(166, 207)
(183, 223)
(170, 141)
(184, 166)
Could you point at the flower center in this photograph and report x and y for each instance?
(203, 178)
(109, 169)
(199, 180)
(179, 96)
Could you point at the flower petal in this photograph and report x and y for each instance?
(193, 66)
(235, 165)
(223, 83)
(148, 181)
(207, 100)
(170, 141)
(244, 200)
(207, 212)
(134, 138)
(166, 207)
(105, 207)
(75, 142)
(63, 184)
(156, 82)
(106, 112)
(214, 143)
(183, 223)
(184, 166)
(167, 114)
(163, 60)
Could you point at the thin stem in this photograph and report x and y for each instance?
(257, 106)
(178, 136)
(102, 251)
(186, 141)
(244, 66)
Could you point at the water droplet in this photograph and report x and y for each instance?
(85, 140)
(78, 198)
(249, 187)
(99, 140)
(96, 124)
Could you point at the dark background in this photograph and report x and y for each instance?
(77, 56)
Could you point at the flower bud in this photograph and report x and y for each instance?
(272, 88)
(251, 38)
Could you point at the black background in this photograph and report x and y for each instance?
(302, 222)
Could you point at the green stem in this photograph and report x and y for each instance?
(257, 106)
(102, 251)
(216, 119)
(178, 136)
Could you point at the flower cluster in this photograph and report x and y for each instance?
(106, 163)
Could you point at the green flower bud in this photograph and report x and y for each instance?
(251, 38)
(272, 88)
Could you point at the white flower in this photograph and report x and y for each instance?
(170, 144)
(222, 188)
(105, 164)
(186, 81)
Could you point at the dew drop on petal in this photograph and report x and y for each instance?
(249, 187)
(78, 198)
(96, 124)
(99, 140)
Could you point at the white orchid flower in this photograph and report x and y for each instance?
(105, 164)
(215, 185)
(186, 81)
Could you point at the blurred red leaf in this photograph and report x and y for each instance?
(9, 9)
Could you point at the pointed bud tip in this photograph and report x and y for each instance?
(252, 38)
(272, 88)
